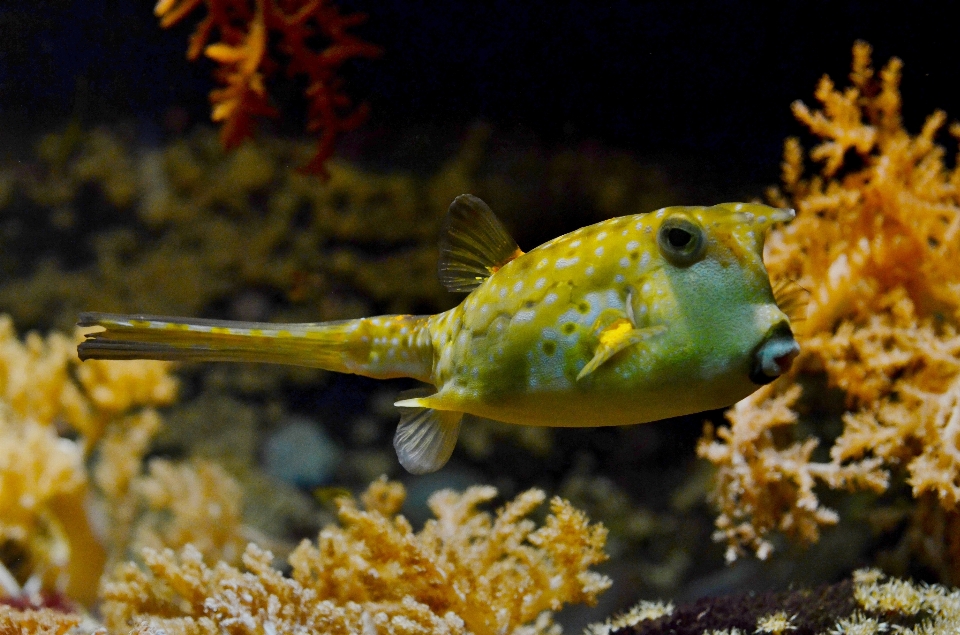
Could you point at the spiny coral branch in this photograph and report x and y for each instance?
(465, 572)
(877, 244)
(258, 39)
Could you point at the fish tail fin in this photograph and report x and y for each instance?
(381, 347)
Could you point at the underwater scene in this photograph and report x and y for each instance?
(490, 318)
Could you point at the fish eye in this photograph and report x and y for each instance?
(681, 241)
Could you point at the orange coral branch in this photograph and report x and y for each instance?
(248, 60)
(877, 243)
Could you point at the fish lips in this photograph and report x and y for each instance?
(774, 356)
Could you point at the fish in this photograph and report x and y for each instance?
(630, 320)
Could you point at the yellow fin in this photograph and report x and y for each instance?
(616, 337)
(473, 245)
(792, 299)
(425, 437)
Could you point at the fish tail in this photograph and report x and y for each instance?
(380, 347)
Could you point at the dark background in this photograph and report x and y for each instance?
(710, 81)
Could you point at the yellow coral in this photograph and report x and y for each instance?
(197, 504)
(466, 571)
(877, 245)
(41, 622)
(44, 485)
(762, 487)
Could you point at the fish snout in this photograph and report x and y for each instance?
(774, 356)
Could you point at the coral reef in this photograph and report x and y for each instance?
(464, 572)
(45, 622)
(875, 243)
(73, 495)
(51, 415)
(868, 604)
(259, 39)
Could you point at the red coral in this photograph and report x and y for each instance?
(258, 38)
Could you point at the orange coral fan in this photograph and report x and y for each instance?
(877, 242)
(465, 572)
(260, 37)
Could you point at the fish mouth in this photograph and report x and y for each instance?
(774, 356)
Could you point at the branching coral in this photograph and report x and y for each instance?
(464, 572)
(51, 414)
(40, 622)
(258, 39)
(876, 242)
(869, 604)
(762, 487)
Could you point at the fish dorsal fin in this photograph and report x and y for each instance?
(473, 244)
(425, 437)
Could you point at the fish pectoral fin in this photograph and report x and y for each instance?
(425, 437)
(792, 298)
(473, 245)
(616, 337)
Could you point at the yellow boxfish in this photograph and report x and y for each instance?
(630, 320)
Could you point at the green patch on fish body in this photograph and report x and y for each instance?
(630, 320)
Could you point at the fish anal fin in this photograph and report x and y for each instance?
(615, 337)
(473, 245)
(425, 437)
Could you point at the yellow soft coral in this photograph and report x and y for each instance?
(466, 571)
(877, 245)
(44, 485)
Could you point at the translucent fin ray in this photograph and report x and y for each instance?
(425, 437)
(792, 299)
(473, 244)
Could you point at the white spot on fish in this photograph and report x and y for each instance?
(575, 243)
(646, 287)
(632, 245)
(618, 278)
(526, 315)
(503, 293)
(601, 235)
(648, 230)
(598, 251)
(639, 226)
(563, 263)
(540, 283)
(738, 207)
(661, 212)
(543, 263)
(624, 262)
(550, 298)
(642, 310)
(517, 287)
(589, 271)
(761, 219)
(645, 259)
